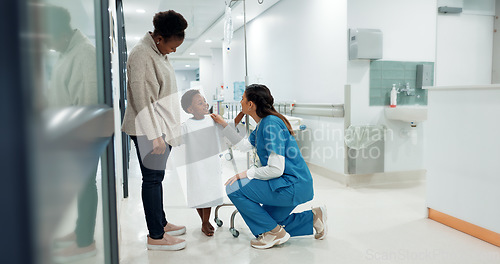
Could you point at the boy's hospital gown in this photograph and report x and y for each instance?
(203, 142)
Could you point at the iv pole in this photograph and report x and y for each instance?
(247, 119)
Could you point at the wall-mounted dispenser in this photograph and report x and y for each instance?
(449, 10)
(424, 75)
(365, 44)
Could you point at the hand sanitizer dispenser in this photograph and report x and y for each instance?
(365, 44)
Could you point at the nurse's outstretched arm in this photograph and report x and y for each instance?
(238, 118)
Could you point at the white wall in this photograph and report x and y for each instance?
(211, 74)
(217, 75)
(470, 62)
(322, 143)
(496, 46)
(299, 50)
(184, 79)
(206, 74)
(233, 61)
(409, 30)
(462, 151)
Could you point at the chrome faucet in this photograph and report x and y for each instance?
(407, 89)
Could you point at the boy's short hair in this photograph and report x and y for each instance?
(187, 99)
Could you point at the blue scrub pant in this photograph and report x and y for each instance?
(263, 209)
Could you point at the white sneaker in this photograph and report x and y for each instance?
(174, 230)
(270, 239)
(319, 222)
(65, 241)
(74, 253)
(168, 242)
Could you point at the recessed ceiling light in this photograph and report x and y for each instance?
(208, 40)
(192, 53)
(137, 38)
(140, 11)
(187, 65)
(240, 17)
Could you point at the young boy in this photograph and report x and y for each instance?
(203, 141)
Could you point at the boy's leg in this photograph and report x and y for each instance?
(206, 227)
(206, 217)
(200, 213)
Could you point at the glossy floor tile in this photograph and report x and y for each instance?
(366, 225)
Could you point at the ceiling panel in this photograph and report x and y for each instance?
(205, 21)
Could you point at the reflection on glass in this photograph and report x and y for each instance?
(71, 83)
(73, 78)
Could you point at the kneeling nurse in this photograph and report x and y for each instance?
(266, 195)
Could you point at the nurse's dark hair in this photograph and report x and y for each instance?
(187, 99)
(261, 96)
(169, 24)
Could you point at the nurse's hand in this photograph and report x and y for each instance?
(219, 120)
(159, 146)
(238, 118)
(236, 177)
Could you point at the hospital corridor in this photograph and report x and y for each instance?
(250, 131)
(380, 224)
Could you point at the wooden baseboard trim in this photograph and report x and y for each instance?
(466, 227)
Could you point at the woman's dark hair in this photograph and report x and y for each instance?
(261, 96)
(169, 24)
(187, 99)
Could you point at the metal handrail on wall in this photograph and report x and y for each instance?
(233, 108)
(291, 108)
(284, 108)
(329, 110)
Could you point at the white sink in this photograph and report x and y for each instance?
(407, 113)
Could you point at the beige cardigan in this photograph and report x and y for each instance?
(153, 107)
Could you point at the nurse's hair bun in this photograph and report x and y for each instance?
(261, 96)
(169, 24)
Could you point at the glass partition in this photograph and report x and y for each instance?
(72, 124)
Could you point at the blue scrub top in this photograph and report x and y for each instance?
(272, 135)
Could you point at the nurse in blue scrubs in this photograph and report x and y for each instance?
(266, 194)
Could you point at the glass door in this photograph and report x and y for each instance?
(122, 47)
(67, 121)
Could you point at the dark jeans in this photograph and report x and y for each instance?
(153, 172)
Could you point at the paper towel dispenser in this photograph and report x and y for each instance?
(365, 44)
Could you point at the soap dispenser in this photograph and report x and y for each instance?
(394, 96)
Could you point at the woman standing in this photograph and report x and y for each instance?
(266, 196)
(152, 119)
